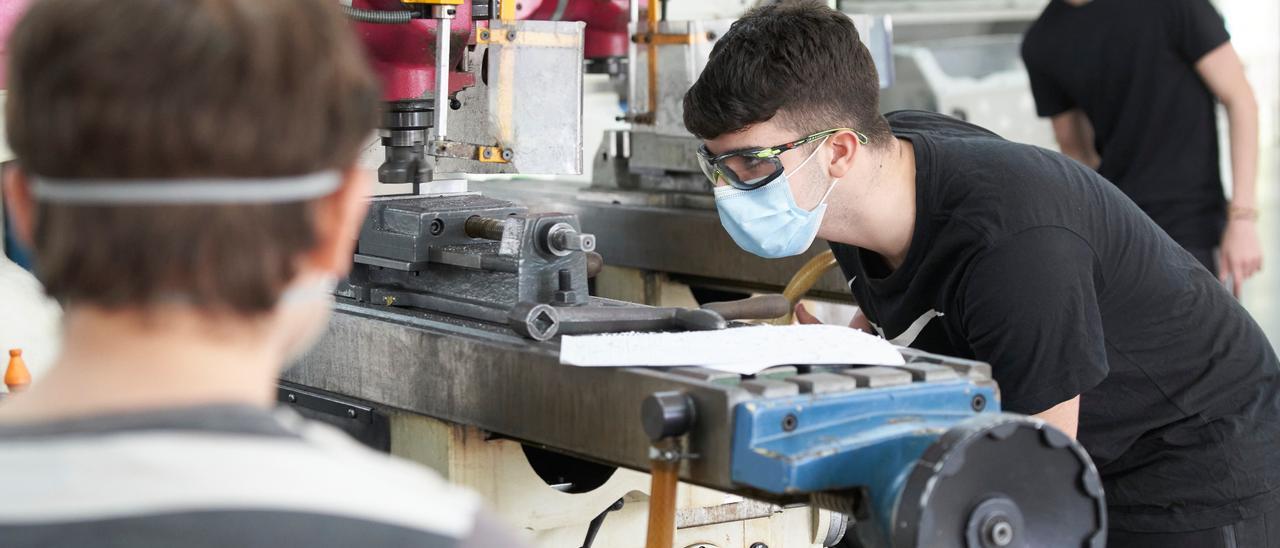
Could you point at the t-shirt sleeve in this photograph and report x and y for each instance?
(1198, 28)
(1050, 98)
(1029, 308)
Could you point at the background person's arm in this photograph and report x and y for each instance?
(1071, 128)
(1241, 252)
(1074, 134)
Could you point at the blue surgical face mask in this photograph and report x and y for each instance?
(766, 221)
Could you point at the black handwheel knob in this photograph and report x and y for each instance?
(666, 415)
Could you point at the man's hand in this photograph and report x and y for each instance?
(803, 316)
(1241, 254)
(859, 322)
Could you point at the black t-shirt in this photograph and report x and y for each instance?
(1129, 65)
(1032, 262)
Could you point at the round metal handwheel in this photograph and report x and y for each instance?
(1002, 481)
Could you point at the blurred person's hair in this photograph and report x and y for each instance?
(166, 89)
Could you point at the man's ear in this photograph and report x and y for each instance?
(337, 221)
(18, 202)
(844, 148)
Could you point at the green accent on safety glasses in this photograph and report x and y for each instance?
(753, 168)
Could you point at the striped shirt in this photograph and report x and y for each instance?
(222, 476)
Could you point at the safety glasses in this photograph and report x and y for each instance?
(753, 168)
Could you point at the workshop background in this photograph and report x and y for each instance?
(959, 57)
(950, 55)
(969, 34)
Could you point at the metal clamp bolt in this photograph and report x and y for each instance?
(566, 294)
(668, 455)
(790, 422)
(563, 239)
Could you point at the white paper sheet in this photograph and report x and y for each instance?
(743, 350)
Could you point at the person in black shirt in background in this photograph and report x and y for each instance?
(959, 242)
(1130, 87)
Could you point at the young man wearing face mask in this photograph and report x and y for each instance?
(186, 178)
(958, 242)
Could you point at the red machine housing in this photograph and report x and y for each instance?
(404, 55)
(606, 33)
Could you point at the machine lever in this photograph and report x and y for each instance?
(761, 307)
(664, 472)
(542, 322)
(666, 417)
(593, 528)
(614, 319)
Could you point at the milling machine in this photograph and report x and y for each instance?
(444, 345)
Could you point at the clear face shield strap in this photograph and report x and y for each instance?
(185, 191)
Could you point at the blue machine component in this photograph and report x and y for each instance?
(931, 464)
(864, 438)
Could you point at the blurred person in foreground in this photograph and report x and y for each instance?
(186, 179)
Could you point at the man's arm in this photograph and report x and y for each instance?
(1241, 252)
(1074, 134)
(1064, 416)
